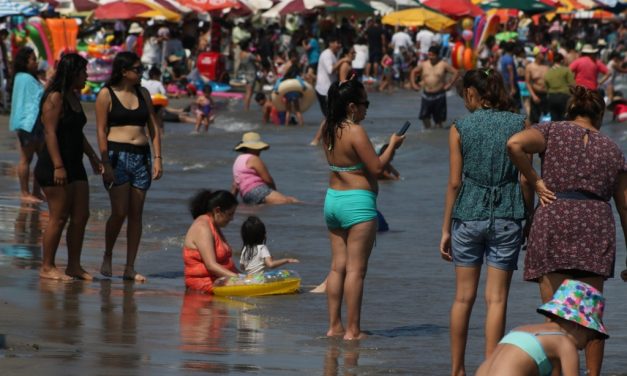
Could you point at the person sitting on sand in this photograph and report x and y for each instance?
(206, 253)
(575, 313)
(256, 257)
(251, 178)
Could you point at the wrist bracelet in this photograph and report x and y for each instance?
(157, 157)
(58, 168)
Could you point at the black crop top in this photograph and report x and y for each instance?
(120, 116)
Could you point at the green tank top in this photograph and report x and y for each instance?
(490, 187)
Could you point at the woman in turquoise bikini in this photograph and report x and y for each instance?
(350, 206)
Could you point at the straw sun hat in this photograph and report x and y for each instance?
(588, 49)
(252, 140)
(135, 28)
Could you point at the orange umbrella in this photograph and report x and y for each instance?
(210, 5)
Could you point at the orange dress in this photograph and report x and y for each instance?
(197, 277)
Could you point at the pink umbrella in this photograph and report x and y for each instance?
(120, 10)
(454, 8)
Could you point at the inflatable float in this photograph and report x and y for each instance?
(159, 100)
(307, 98)
(269, 283)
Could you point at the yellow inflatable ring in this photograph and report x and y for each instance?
(269, 283)
(159, 100)
(307, 98)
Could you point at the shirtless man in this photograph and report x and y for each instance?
(433, 79)
(534, 77)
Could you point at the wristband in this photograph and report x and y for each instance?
(157, 157)
(58, 168)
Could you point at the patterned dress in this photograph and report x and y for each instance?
(573, 235)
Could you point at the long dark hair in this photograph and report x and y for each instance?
(123, 61)
(585, 103)
(68, 68)
(204, 201)
(340, 95)
(490, 87)
(20, 65)
(253, 233)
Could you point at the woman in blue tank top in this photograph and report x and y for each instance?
(126, 127)
(60, 170)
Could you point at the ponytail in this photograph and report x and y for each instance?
(490, 87)
(340, 95)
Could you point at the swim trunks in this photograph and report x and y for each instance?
(433, 106)
(344, 209)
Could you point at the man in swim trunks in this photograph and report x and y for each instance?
(432, 74)
(534, 78)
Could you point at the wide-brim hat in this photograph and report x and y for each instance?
(252, 140)
(578, 302)
(135, 28)
(588, 49)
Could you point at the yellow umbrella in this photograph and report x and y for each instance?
(158, 11)
(418, 17)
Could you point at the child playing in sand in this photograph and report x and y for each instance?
(205, 105)
(255, 256)
(576, 313)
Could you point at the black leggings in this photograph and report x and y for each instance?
(557, 105)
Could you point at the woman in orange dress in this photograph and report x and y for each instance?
(206, 254)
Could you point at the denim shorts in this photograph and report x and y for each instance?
(131, 164)
(472, 240)
(257, 195)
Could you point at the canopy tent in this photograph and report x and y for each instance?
(454, 8)
(418, 17)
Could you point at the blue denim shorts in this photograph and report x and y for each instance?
(471, 241)
(131, 164)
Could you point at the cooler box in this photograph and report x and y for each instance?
(210, 65)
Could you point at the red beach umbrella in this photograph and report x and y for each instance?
(210, 5)
(120, 10)
(454, 8)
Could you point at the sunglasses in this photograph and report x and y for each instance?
(365, 103)
(138, 69)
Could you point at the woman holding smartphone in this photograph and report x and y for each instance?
(126, 127)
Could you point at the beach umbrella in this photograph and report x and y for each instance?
(454, 8)
(381, 7)
(210, 5)
(255, 5)
(120, 10)
(84, 5)
(351, 6)
(418, 17)
(292, 6)
(527, 6)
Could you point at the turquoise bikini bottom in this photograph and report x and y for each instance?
(344, 209)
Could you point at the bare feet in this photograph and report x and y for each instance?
(105, 269)
(30, 199)
(53, 273)
(336, 332)
(79, 273)
(320, 289)
(132, 275)
(352, 337)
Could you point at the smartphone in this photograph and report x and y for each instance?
(403, 129)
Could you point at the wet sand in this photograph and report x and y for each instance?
(109, 327)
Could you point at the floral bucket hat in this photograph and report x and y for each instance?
(578, 302)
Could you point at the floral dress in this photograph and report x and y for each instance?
(575, 236)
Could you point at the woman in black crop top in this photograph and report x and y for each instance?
(123, 115)
(60, 170)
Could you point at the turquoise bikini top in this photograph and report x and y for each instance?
(356, 167)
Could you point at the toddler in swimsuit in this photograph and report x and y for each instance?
(255, 257)
(204, 111)
(576, 313)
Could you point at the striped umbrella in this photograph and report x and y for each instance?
(10, 8)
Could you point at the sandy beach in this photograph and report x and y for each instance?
(109, 326)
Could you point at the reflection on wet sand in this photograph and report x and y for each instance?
(350, 351)
(62, 319)
(206, 327)
(119, 325)
(25, 249)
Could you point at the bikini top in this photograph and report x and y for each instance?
(120, 116)
(357, 167)
(529, 343)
